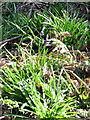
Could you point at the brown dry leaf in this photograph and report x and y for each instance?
(2, 61)
(38, 85)
(66, 34)
(47, 73)
(84, 46)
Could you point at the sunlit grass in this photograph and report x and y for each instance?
(40, 82)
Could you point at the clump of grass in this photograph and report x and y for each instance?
(24, 82)
(78, 28)
(39, 82)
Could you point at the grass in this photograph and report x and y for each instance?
(26, 80)
(41, 82)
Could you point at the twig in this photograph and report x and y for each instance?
(8, 40)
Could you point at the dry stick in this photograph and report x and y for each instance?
(8, 40)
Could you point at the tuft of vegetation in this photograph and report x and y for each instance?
(41, 78)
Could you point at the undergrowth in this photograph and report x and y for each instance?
(40, 80)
